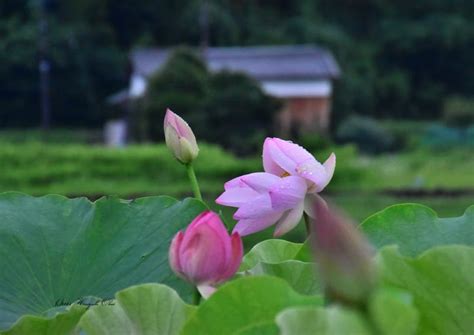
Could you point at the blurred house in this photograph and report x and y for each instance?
(302, 76)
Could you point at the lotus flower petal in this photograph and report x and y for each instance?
(258, 181)
(250, 226)
(236, 197)
(282, 157)
(319, 174)
(288, 193)
(258, 207)
(289, 220)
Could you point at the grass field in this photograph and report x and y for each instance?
(73, 169)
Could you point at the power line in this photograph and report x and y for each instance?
(44, 67)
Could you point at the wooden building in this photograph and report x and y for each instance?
(301, 75)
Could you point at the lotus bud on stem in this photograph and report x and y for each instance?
(180, 138)
(204, 254)
(344, 257)
(182, 143)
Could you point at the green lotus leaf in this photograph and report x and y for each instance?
(243, 304)
(270, 251)
(333, 320)
(146, 309)
(416, 228)
(393, 312)
(278, 258)
(61, 323)
(55, 251)
(441, 282)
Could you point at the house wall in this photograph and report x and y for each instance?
(304, 115)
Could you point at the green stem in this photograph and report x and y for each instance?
(307, 222)
(196, 296)
(194, 182)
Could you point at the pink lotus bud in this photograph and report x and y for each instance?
(205, 254)
(344, 256)
(180, 138)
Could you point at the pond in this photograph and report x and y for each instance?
(360, 206)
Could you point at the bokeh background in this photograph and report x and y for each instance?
(387, 85)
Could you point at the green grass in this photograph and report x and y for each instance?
(70, 169)
(73, 169)
(418, 169)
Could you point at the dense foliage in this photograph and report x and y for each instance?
(84, 247)
(366, 133)
(86, 67)
(400, 59)
(459, 112)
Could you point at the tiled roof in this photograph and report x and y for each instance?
(299, 62)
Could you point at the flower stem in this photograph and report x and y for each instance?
(196, 296)
(193, 181)
(307, 222)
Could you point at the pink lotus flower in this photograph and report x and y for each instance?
(180, 138)
(204, 254)
(278, 196)
(284, 158)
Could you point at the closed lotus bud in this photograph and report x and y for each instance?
(344, 257)
(180, 138)
(204, 254)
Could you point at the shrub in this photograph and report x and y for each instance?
(369, 135)
(459, 111)
(182, 85)
(440, 137)
(407, 133)
(314, 142)
(240, 114)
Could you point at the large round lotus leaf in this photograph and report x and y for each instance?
(62, 323)
(147, 309)
(416, 228)
(246, 305)
(54, 250)
(441, 282)
(332, 320)
(279, 258)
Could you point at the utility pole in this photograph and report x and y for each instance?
(204, 27)
(44, 66)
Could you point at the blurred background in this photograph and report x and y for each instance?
(388, 86)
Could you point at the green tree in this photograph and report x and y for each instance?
(399, 59)
(18, 70)
(240, 113)
(182, 85)
(86, 67)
